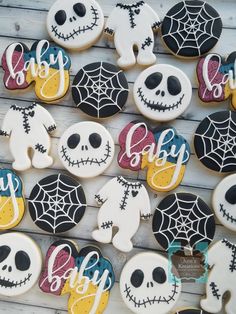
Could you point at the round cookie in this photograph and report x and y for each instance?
(100, 89)
(183, 219)
(162, 92)
(12, 203)
(214, 141)
(57, 203)
(129, 201)
(86, 275)
(224, 202)
(86, 149)
(75, 24)
(148, 286)
(190, 311)
(191, 28)
(20, 263)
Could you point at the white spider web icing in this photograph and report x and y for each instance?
(57, 205)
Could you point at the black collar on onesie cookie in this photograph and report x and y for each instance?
(126, 183)
(130, 6)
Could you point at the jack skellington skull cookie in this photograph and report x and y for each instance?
(100, 89)
(191, 28)
(162, 92)
(86, 149)
(224, 202)
(147, 285)
(20, 264)
(75, 24)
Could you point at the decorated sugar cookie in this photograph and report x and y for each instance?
(224, 202)
(133, 25)
(46, 65)
(75, 24)
(28, 128)
(214, 141)
(191, 28)
(216, 78)
(222, 277)
(185, 219)
(86, 149)
(190, 311)
(147, 285)
(86, 275)
(121, 201)
(20, 263)
(57, 203)
(100, 89)
(162, 92)
(162, 151)
(12, 206)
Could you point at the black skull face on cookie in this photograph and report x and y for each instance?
(20, 264)
(162, 92)
(147, 287)
(86, 149)
(75, 24)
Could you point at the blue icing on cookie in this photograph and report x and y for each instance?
(177, 140)
(100, 266)
(17, 184)
(225, 68)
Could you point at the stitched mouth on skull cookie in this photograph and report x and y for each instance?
(7, 283)
(227, 215)
(151, 301)
(80, 30)
(88, 160)
(159, 106)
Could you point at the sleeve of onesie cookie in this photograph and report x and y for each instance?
(106, 191)
(154, 19)
(47, 120)
(213, 254)
(111, 23)
(145, 209)
(8, 123)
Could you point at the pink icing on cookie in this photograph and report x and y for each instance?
(62, 263)
(133, 140)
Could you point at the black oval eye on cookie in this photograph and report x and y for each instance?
(230, 195)
(137, 278)
(22, 261)
(95, 140)
(73, 141)
(4, 252)
(60, 17)
(79, 9)
(159, 275)
(153, 80)
(173, 85)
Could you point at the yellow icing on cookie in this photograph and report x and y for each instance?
(230, 92)
(159, 178)
(82, 303)
(7, 212)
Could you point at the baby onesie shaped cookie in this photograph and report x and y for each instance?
(121, 202)
(221, 278)
(45, 64)
(216, 77)
(28, 128)
(75, 24)
(20, 263)
(162, 92)
(162, 151)
(147, 285)
(133, 25)
(12, 205)
(86, 275)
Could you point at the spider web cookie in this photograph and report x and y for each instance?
(57, 203)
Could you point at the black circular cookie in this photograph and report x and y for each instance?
(191, 311)
(191, 28)
(57, 203)
(183, 219)
(100, 89)
(215, 141)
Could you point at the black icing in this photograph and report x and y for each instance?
(73, 141)
(173, 85)
(22, 261)
(95, 140)
(192, 311)
(137, 278)
(60, 17)
(79, 9)
(159, 275)
(153, 80)
(4, 252)
(230, 195)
